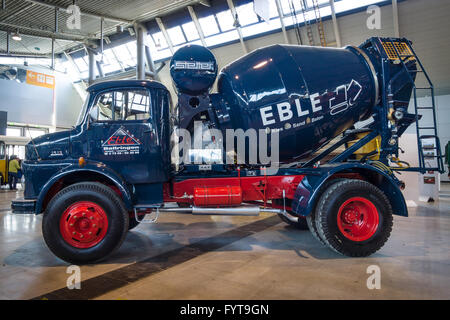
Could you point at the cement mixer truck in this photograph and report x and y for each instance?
(307, 133)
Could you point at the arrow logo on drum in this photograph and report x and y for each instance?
(354, 89)
(345, 96)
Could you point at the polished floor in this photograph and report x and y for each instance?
(187, 257)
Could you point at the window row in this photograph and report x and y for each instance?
(218, 29)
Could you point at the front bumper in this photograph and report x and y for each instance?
(23, 206)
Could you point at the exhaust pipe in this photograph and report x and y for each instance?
(250, 211)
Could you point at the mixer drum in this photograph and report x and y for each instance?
(308, 94)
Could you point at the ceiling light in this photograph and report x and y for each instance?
(16, 36)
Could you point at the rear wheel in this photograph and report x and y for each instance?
(354, 218)
(311, 218)
(84, 223)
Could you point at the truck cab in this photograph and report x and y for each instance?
(122, 134)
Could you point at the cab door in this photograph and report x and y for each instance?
(122, 135)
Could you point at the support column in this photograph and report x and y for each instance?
(7, 42)
(283, 27)
(238, 28)
(140, 67)
(165, 34)
(337, 34)
(151, 64)
(53, 53)
(100, 69)
(197, 25)
(91, 66)
(395, 14)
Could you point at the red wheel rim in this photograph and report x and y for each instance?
(358, 219)
(84, 224)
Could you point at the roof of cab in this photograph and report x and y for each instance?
(125, 84)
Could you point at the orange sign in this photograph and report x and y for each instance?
(40, 79)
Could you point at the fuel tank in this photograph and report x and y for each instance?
(308, 94)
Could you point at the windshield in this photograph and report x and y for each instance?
(83, 111)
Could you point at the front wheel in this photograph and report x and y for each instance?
(354, 218)
(84, 223)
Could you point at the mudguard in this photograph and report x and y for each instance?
(90, 167)
(309, 190)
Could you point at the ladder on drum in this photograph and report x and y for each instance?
(319, 23)
(405, 55)
(307, 22)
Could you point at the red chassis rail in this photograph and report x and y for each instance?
(261, 188)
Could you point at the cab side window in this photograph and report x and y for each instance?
(122, 105)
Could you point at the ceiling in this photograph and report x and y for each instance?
(35, 20)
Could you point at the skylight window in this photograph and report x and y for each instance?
(190, 31)
(226, 20)
(10, 60)
(176, 35)
(159, 40)
(310, 3)
(209, 26)
(132, 48)
(346, 5)
(246, 14)
(110, 63)
(125, 57)
(218, 30)
(261, 27)
(222, 38)
(286, 6)
(81, 64)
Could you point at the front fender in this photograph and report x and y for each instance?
(98, 168)
(310, 189)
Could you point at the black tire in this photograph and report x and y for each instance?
(97, 194)
(311, 218)
(300, 225)
(343, 242)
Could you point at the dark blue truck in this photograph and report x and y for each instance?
(99, 180)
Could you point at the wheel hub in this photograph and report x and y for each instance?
(84, 224)
(351, 216)
(358, 219)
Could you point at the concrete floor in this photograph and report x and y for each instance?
(187, 257)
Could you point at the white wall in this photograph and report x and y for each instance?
(34, 105)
